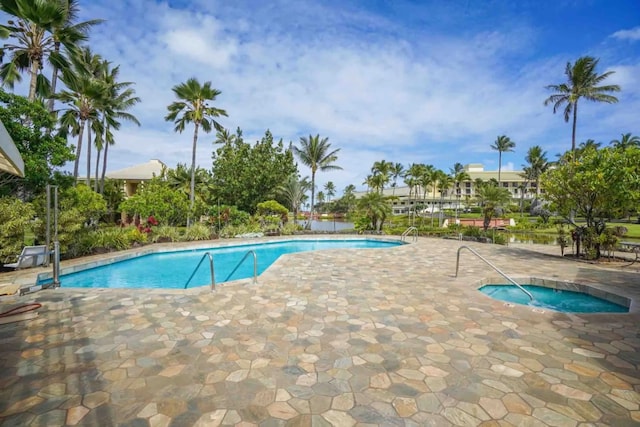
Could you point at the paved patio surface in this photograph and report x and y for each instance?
(331, 338)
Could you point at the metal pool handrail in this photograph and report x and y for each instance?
(409, 230)
(492, 266)
(213, 280)
(255, 266)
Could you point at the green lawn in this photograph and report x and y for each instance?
(633, 229)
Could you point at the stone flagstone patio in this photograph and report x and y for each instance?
(378, 337)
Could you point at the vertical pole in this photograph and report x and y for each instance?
(48, 228)
(56, 244)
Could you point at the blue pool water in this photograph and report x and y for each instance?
(172, 269)
(554, 299)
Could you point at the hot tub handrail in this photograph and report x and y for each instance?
(213, 280)
(490, 265)
(255, 265)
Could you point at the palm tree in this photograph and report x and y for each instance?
(626, 141)
(382, 169)
(537, 164)
(492, 198)
(223, 136)
(120, 98)
(316, 154)
(503, 144)
(320, 200)
(192, 107)
(397, 170)
(37, 34)
(444, 184)
(582, 82)
(83, 97)
(435, 175)
(70, 36)
(376, 208)
(330, 188)
(459, 176)
(293, 191)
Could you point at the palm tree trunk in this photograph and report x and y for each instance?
(104, 167)
(95, 182)
(434, 198)
(78, 152)
(35, 68)
(193, 172)
(89, 156)
(499, 166)
(54, 80)
(573, 132)
(313, 195)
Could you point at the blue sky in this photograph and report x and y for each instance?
(405, 81)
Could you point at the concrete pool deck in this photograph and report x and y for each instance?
(329, 338)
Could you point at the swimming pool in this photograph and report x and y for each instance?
(566, 301)
(171, 270)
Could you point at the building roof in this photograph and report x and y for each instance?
(141, 172)
(10, 159)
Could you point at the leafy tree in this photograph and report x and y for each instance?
(316, 154)
(582, 82)
(598, 185)
(503, 144)
(330, 189)
(492, 199)
(626, 141)
(193, 107)
(157, 199)
(245, 175)
(31, 127)
(382, 171)
(397, 170)
(459, 175)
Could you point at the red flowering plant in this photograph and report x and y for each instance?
(146, 227)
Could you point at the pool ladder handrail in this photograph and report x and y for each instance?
(213, 280)
(255, 265)
(492, 266)
(409, 230)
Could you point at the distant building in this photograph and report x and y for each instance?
(456, 196)
(136, 175)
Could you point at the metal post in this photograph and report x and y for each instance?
(56, 263)
(48, 228)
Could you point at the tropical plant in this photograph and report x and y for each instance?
(459, 175)
(82, 98)
(382, 171)
(492, 199)
(397, 170)
(15, 220)
(582, 82)
(119, 98)
(198, 231)
(165, 234)
(503, 144)
(157, 199)
(330, 189)
(317, 155)
(293, 191)
(193, 107)
(537, 164)
(375, 207)
(626, 141)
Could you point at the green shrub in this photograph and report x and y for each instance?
(499, 239)
(157, 199)
(15, 219)
(136, 236)
(234, 230)
(290, 228)
(197, 231)
(471, 231)
(165, 234)
(113, 239)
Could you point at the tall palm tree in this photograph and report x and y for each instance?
(459, 175)
(503, 144)
(492, 198)
(82, 98)
(582, 82)
(397, 170)
(317, 155)
(193, 107)
(120, 98)
(223, 136)
(383, 169)
(537, 164)
(69, 35)
(36, 35)
(627, 140)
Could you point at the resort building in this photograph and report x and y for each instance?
(10, 159)
(136, 175)
(461, 195)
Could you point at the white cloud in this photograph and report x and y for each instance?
(632, 34)
(376, 89)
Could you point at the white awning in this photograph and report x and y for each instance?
(10, 159)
